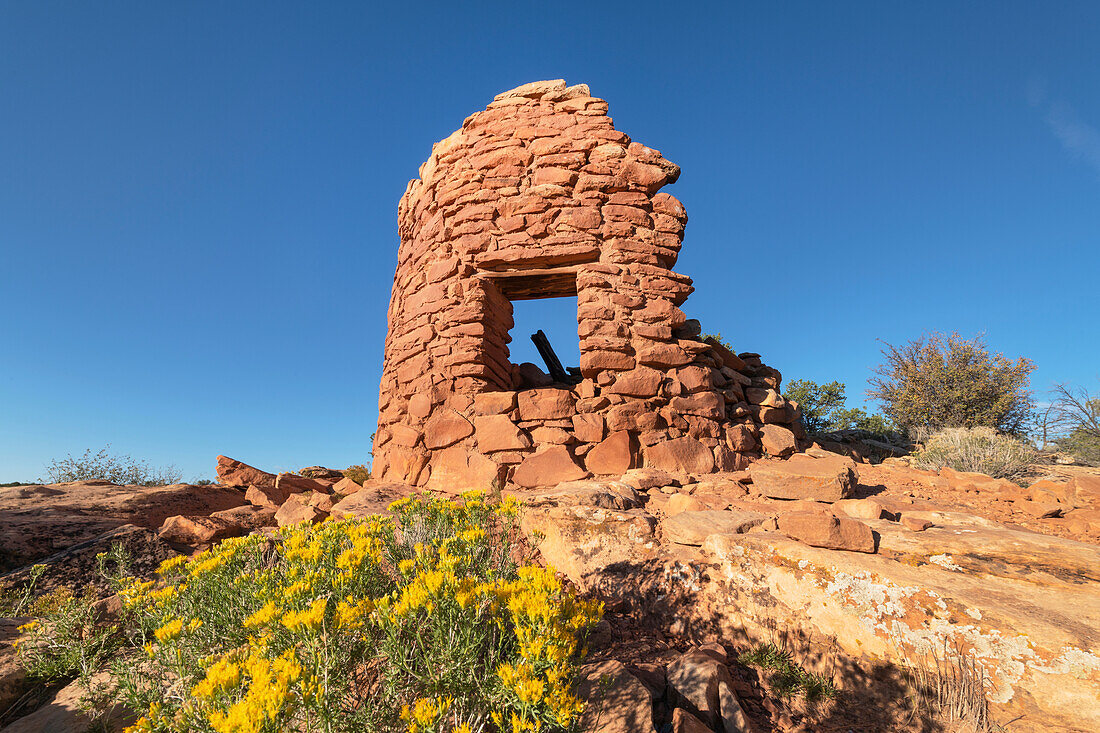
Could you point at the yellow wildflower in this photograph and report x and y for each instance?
(169, 631)
(309, 619)
(222, 675)
(262, 617)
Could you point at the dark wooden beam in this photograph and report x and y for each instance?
(553, 282)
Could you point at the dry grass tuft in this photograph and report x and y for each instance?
(977, 450)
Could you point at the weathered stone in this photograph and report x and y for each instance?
(579, 540)
(534, 89)
(617, 701)
(196, 530)
(266, 496)
(292, 483)
(457, 469)
(614, 456)
(915, 523)
(497, 433)
(64, 712)
(1020, 606)
(861, 508)
(692, 527)
(644, 479)
(804, 477)
(820, 529)
(247, 518)
(231, 472)
(374, 498)
(588, 428)
(345, 486)
(546, 404)
(297, 509)
(683, 455)
(685, 722)
(595, 493)
(694, 679)
(494, 403)
(548, 467)
(445, 428)
(777, 441)
(38, 521)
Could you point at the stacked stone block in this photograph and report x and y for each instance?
(539, 196)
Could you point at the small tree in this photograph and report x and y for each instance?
(823, 410)
(945, 381)
(1074, 417)
(818, 402)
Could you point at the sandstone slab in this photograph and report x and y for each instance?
(232, 472)
(549, 467)
(613, 456)
(40, 520)
(693, 527)
(683, 455)
(297, 509)
(197, 530)
(804, 477)
(617, 701)
(1015, 607)
(580, 540)
(827, 530)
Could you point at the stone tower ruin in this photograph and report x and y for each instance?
(539, 196)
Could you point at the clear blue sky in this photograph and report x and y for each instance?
(198, 199)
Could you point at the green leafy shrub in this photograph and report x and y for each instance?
(945, 381)
(978, 450)
(359, 473)
(118, 469)
(421, 623)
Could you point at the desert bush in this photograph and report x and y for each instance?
(421, 623)
(945, 381)
(359, 473)
(823, 410)
(118, 469)
(71, 642)
(1083, 445)
(979, 450)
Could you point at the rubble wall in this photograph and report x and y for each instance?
(540, 196)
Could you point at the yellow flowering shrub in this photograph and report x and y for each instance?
(421, 624)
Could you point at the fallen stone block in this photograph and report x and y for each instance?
(247, 518)
(297, 510)
(804, 477)
(693, 527)
(196, 530)
(232, 472)
(818, 529)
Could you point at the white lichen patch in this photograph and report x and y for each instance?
(1074, 661)
(945, 561)
(874, 600)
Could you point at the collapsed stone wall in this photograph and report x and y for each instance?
(540, 196)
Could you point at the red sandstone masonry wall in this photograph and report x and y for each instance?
(539, 196)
